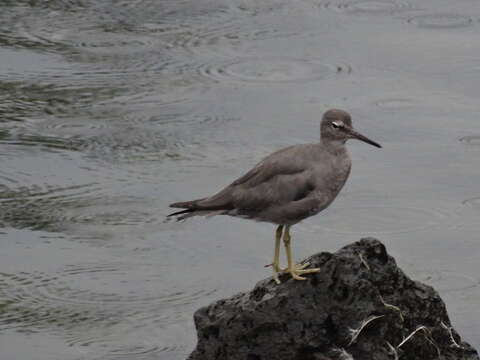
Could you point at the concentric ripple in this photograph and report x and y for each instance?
(471, 140)
(473, 202)
(367, 6)
(50, 143)
(260, 7)
(38, 206)
(120, 27)
(23, 308)
(38, 197)
(227, 38)
(127, 284)
(270, 69)
(17, 65)
(137, 351)
(191, 13)
(441, 21)
(88, 293)
(395, 103)
(170, 134)
(124, 347)
(122, 212)
(73, 127)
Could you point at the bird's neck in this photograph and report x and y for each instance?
(334, 147)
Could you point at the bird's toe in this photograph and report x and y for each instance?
(297, 267)
(307, 271)
(300, 269)
(295, 275)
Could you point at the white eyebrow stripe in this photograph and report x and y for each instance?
(338, 123)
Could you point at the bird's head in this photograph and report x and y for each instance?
(336, 126)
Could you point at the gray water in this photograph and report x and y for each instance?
(111, 110)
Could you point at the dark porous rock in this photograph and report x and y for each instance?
(359, 306)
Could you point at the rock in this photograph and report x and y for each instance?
(359, 306)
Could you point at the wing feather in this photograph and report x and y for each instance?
(275, 179)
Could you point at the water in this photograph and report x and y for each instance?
(111, 110)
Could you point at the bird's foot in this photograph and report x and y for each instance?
(275, 278)
(295, 272)
(276, 271)
(297, 267)
(300, 269)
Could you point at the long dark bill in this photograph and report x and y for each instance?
(357, 135)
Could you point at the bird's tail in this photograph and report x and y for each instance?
(186, 204)
(182, 215)
(202, 207)
(189, 207)
(185, 214)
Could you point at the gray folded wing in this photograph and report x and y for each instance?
(283, 177)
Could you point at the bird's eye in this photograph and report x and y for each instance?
(336, 125)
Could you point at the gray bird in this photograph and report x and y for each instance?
(287, 186)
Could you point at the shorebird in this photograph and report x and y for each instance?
(287, 187)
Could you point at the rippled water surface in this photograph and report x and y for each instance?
(111, 110)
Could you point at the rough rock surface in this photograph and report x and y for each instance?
(359, 306)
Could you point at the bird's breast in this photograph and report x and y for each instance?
(332, 175)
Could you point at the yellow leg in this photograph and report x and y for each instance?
(294, 269)
(276, 256)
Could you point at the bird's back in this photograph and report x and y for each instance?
(286, 187)
(320, 176)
